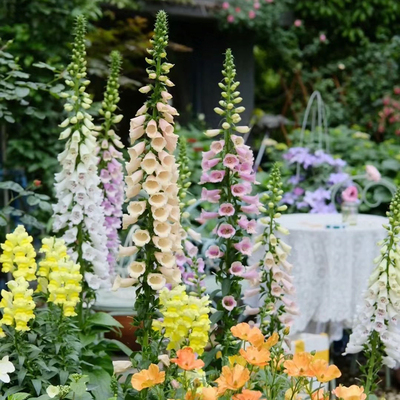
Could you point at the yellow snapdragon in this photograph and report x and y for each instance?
(17, 305)
(185, 321)
(59, 276)
(19, 255)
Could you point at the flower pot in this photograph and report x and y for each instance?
(128, 332)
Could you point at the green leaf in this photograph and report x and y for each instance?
(216, 317)
(57, 88)
(225, 287)
(121, 346)
(29, 220)
(22, 91)
(44, 65)
(37, 384)
(19, 396)
(45, 206)
(103, 319)
(209, 356)
(102, 380)
(32, 200)
(3, 221)
(9, 119)
(11, 186)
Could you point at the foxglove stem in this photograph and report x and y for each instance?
(375, 328)
(79, 212)
(228, 169)
(277, 283)
(110, 167)
(152, 190)
(191, 266)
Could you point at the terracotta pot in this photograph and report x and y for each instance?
(127, 331)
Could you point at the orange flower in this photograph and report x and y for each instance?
(210, 393)
(147, 378)
(319, 395)
(245, 332)
(232, 378)
(350, 393)
(256, 357)
(300, 364)
(324, 372)
(248, 395)
(186, 360)
(271, 341)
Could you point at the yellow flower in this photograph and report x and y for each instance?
(19, 255)
(186, 320)
(17, 305)
(59, 276)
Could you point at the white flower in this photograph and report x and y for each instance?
(6, 367)
(194, 235)
(123, 282)
(121, 366)
(156, 281)
(53, 391)
(93, 280)
(141, 237)
(136, 269)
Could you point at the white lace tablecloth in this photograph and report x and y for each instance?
(331, 265)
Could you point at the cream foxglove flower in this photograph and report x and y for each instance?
(156, 281)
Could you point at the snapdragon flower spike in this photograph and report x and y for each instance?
(152, 190)
(228, 176)
(78, 213)
(276, 290)
(110, 158)
(191, 266)
(376, 325)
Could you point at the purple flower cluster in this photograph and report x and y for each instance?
(308, 194)
(306, 159)
(112, 182)
(191, 266)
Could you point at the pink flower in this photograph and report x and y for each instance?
(251, 292)
(241, 189)
(297, 23)
(372, 173)
(229, 303)
(238, 9)
(217, 146)
(217, 176)
(396, 90)
(251, 275)
(212, 196)
(322, 37)
(251, 209)
(350, 194)
(226, 231)
(236, 268)
(225, 5)
(252, 14)
(248, 177)
(249, 225)
(208, 164)
(250, 310)
(245, 167)
(208, 155)
(230, 18)
(230, 161)
(205, 178)
(252, 200)
(244, 246)
(206, 215)
(226, 209)
(257, 5)
(214, 252)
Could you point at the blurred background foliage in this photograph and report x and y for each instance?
(347, 49)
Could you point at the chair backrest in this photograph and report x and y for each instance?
(363, 185)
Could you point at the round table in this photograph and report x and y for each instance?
(332, 264)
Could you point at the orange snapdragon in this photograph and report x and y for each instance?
(248, 395)
(232, 378)
(254, 356)
(252, 335)
(186, 359)
(350, 393)
(147, 378)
